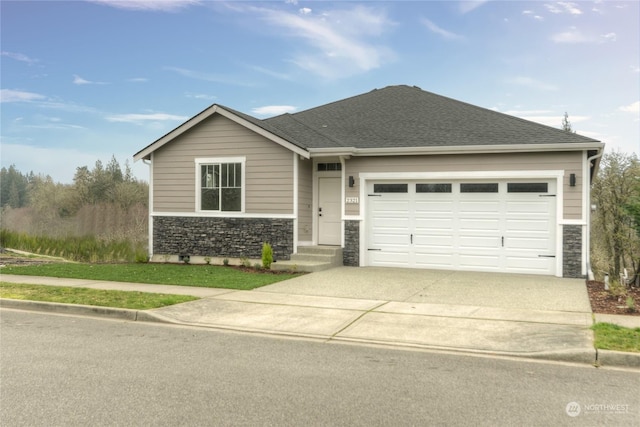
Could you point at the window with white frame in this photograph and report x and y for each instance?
(220, 185)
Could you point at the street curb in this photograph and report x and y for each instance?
(595, 357)
(618, 358)
(77, 309)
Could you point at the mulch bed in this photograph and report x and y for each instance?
(605, 302)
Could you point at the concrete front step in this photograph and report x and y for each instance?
(311, 258)
(302, 266)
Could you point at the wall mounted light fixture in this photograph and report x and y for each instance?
(351, 181)
(572, 180)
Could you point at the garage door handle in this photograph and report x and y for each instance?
(412, 239)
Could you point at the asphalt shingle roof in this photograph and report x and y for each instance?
(406, 116)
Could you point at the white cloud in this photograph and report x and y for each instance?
(274, 110)
(440, 31)
(209, 77)
(337, 42)
(611, 37)
(573, 35)
(468, 6)
(200, 96)
(10, 95)
(532, 83)
(77, 80)
(533, 15)
(563, 7)
(148, 5)
(19, 57)
(631, 108)
(305, 11)
(138, 80)
(144, 118)
(635, 69)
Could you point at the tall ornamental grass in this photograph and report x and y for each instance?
(81, 249)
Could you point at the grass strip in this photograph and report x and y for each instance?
(210, 276)
(97, 297)
(613, 337)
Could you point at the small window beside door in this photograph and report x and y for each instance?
(323, 167)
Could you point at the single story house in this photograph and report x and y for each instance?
(395, 177)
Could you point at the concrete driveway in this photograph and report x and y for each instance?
(508, 291)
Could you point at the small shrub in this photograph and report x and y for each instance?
(257, 266)
(244, 261)
(267, 255)
(631, 305)
(142, 257)
(225, 262)
(207, 259)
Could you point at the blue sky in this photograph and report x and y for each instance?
(85, 80)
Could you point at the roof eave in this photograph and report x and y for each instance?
(458, 149)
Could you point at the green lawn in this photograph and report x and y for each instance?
(97, 297)
(614, 337)
(161, 274)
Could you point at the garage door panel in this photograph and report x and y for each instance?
(479, 242)
(435, 260)
(480, 262)
(428, 207)
(390, 258)
(443, 224)
(478, 225)
(528, 207)
(478, 207)
(494, 231)
(536, 245)
(517, 264)
(424, 241)
(528, 225)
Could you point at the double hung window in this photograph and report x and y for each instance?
(220, 185)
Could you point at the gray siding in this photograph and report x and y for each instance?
(305, 200)
(269, 167)
(570, 162)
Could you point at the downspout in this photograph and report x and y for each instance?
(590, 275)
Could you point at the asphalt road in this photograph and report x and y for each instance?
(73, 371)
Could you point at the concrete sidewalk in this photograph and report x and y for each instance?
(523, 316)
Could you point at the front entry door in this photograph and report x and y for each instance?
(329, 218)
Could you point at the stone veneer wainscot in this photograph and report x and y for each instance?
(222, 237)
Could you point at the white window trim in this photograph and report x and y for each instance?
(219, 160)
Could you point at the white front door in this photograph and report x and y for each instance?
(329, 218)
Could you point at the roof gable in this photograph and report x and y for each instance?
(245, 120)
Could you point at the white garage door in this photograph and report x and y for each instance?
(502, 226)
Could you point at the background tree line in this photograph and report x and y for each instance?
(106, 202)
